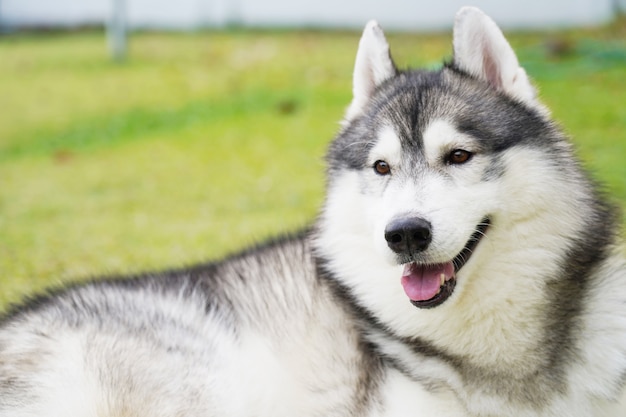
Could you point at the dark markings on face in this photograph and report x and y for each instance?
(413, 99)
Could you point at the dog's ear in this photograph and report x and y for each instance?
(373, 66)
(481, 50)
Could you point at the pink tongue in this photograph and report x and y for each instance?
(422, 282)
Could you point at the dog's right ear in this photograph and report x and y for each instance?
(373, 66)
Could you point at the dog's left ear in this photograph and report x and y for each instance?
(481, 50)
(373, 66)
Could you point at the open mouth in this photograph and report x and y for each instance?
(428, 286)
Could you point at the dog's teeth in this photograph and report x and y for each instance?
(442, 277)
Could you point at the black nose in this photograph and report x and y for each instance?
(408, 235)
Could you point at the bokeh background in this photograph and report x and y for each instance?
(137, 135)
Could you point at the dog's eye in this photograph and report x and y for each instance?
(458, 156)
(382, 168)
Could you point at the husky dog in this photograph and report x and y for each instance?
(462, 265)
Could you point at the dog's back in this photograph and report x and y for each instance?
(257, 334)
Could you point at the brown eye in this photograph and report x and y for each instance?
(382, 168)
(458, 156)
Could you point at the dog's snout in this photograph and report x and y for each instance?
(408, 235)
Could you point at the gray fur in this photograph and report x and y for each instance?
(272, 290)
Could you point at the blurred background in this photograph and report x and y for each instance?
(145, 134)
(393, 14)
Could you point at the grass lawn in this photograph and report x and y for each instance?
(205, 142)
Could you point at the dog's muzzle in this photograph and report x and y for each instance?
(427, 285)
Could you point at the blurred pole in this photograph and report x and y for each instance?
(116, 30)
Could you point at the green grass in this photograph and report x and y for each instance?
(205, 142)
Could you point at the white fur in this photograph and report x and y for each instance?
(404, 397)
(441, 137)
(59, 384)
(604, 325)
(388, 148)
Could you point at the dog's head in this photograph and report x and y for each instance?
(436, 172)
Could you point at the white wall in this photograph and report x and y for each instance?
(52, 12)
(423, 14)
(392, 14)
